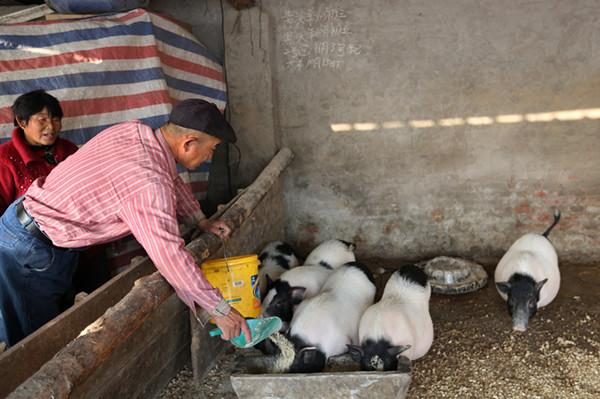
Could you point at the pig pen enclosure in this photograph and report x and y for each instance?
(418, 129)
(436, 128)
(475, 354)
(147, 339)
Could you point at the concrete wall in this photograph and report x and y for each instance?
(253, 105)
(451, 136)
(204, 18)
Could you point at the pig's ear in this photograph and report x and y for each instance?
(351, 246)
(355, 351)
(539, 285)
(397, 350)
(297, 294)
(504, 287)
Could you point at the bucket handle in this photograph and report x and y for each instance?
(225, 252)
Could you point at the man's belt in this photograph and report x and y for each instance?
(29, 224)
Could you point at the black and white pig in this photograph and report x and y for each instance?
(286, 293)
(399, 324)
(331, 254)
(290, 289)
(527, 276)
(323, 325)
(304, 282)
(275, 258)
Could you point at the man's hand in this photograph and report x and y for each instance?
(217, 227)
(231, 324)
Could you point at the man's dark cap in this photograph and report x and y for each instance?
(198, 114)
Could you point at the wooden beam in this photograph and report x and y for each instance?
(241, 209)
(63, 16)
(266, 224)
(27, 14)
(72, 365)
(36, 349)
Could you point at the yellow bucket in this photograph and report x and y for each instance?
(237, 279)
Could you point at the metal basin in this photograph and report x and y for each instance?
(448, 275)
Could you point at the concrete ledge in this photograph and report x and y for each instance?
(357, 385)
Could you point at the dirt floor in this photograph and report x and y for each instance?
(475, 354)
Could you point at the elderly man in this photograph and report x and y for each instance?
(123, 181)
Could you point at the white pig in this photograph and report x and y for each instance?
(527, 276)
(291, 288)
(306, 281)
(275, 258)
(323, 325)
(331, 254)
(399, 323)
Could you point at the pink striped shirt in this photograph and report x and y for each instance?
(125, 181)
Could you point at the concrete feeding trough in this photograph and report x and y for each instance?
(341, 379)
(448, 275)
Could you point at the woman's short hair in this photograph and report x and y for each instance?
(33, 102)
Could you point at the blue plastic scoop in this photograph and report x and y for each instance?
(260, 329)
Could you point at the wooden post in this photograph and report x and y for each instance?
(239, 211)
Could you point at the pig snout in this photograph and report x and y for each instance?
(520, 322)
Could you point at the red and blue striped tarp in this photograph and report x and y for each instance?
(108, 69)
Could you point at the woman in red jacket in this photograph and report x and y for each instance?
(35, 147)
(34, 150)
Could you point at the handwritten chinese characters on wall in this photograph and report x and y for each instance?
(317, 39)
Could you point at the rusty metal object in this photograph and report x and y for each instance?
(448, 275)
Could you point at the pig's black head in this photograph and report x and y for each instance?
(281, 300)
(523, 294)
(377, 355)
(307, 358)
(413, 274)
